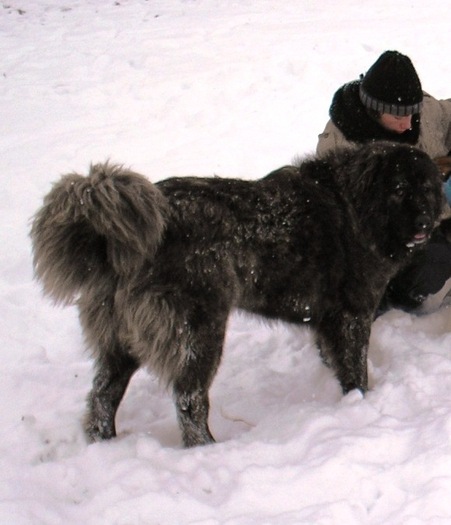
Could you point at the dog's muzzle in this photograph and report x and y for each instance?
(423, 224)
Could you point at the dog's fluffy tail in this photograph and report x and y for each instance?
(105, 224)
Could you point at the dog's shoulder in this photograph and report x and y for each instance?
(287, 171)
(303, 172)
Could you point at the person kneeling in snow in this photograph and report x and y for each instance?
(388, 103)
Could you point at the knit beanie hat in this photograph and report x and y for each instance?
(391, 85)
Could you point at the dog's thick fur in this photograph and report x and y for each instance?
(156, 268)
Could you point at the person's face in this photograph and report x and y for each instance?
(395, 123)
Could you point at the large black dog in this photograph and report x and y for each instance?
(156, 268)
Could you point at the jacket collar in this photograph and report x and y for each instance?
(351, 118)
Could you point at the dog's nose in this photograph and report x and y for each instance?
(422, 222)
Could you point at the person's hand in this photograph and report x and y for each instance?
(444, 165)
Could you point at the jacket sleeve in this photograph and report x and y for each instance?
(436, 120)
(330, 139)
(446, 122)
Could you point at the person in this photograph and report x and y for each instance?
(388, 103)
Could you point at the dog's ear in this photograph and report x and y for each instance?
(444, 166)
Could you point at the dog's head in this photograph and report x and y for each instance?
(401, 194)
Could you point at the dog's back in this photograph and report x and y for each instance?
(252, 243)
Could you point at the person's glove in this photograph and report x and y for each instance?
(447, 190)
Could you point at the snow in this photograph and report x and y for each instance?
(237, 89)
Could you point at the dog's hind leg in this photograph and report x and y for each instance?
(343, 340)
(193, 406)
(193, 381)
(113, 374)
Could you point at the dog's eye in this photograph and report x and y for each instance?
(399, 190)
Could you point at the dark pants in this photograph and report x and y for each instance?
(424, 276)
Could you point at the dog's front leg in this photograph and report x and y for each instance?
(344, 342)
(111, 380)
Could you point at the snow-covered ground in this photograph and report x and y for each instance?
(233, 88)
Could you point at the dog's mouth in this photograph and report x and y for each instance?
(418, 239)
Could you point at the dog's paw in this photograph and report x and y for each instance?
(98, 430)
(353, 397)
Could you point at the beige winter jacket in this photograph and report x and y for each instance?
(435, 130)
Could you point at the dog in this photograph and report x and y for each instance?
(156, 269)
